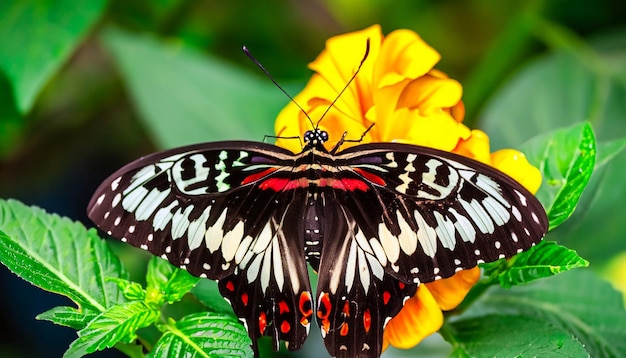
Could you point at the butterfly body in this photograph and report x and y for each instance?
(374, 220)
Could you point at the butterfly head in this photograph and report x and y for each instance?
(315, 137)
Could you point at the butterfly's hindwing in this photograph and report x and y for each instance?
(270, 287)
(356, 297)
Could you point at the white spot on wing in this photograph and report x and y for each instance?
(350, 267)
(150, 203)
(231, 241)
(163, 216)
(445, 231)
(426, 235)
(115, 183)
(379, 252)
(197, 229)
(215, 233)
(463, 226)
(407, 237)
(180, 222)
(263, 240)
(516, 213)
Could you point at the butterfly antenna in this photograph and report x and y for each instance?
(267, 73)
(367, 51)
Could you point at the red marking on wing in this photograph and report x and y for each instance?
(354, 184)
(367, 320)
(305, 308)
(262, 322)
(257, 176)
(370, 176)
(401, 285)
(346, 309)
(230, 286)
(323, 311)
(386, 297)
(276, 184)
(285, 327)
(344, 329)
(283, 307)
(244, 298)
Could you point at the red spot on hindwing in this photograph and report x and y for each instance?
(386, 297)
(401, 285)
(367, 320)
(346, 309)
(229, 286)
(324, 306)
(306, 308)
(244, 299)
(344, 329)
(283, 307)
(285, 327)
(323, 311)
(262, 322)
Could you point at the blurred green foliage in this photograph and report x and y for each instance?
(86, 86)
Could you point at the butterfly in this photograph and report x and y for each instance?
(374, 220)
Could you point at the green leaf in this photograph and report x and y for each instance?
(47, 250)
(566, 158)
(511, 336)
(543, 260)
(11, 123)
(37, 37)
(131, 290)
(172, 282)
(207, 292)
(609, 150)
(118, 324)
(576, 302)
(68, 316)
(558, 90)
(186, 97)
(204, 335)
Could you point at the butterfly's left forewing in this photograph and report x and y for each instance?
(218, 211)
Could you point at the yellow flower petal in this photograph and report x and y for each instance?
(430, 94)
(475, 147)
(420, 317)
(403, 55)
(514, 164)
(450, 292)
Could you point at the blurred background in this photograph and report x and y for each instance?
(87, 86)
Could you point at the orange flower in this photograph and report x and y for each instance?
(409, 101)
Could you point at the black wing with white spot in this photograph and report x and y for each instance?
(213, 209)
(427, 214)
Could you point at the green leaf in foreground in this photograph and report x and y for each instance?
(68, 316)
(543, 260)
(117, 324)
(59, 255)
(172, 283)
(576, 302)
(566, 158)
(511, 336)
(204, 335)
